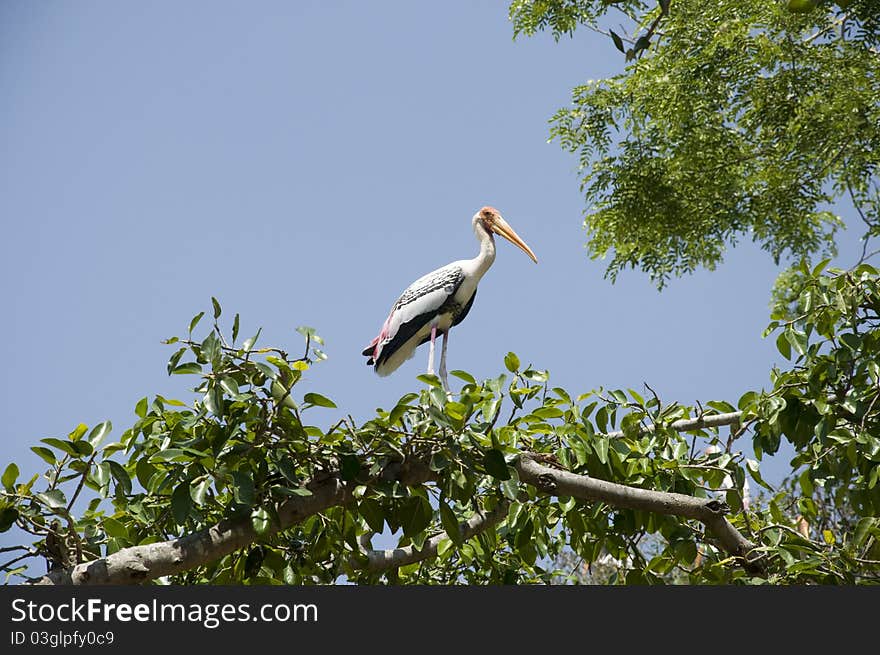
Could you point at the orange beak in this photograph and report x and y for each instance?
(500, 226)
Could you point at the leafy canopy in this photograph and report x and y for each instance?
(733, 119)
(249, 441)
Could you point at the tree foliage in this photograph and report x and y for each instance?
(733, 119)
(440, 472)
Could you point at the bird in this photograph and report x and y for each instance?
(438, 301)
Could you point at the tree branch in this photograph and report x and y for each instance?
(139, 564)
(688, 424)
(708, 511)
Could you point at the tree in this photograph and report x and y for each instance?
(239, 486)
(733, 119)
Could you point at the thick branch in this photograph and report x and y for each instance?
(139, 564)
(688, 424)
(381, 560)
(708, 511)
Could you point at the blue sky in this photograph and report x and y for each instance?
(304, 162)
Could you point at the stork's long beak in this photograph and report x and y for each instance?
(500, 226)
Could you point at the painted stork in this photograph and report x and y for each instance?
(439, 300)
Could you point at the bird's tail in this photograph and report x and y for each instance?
(370, 352)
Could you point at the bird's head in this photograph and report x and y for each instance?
(492, 221)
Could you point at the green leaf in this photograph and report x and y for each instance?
(754, 470)
(213, 400)
(144, 471)
(415, 514)
(141, 408)
(397, 413)
(211, 347)
(186, 369)
(618, 42)
(45, 453)
(123, 479)
(746, 400)
(863, 530)
(373, 514)
(600, 445)
(721, 406)
(181, 503)
(99, 432)
(65, 446)
(172, 361)
(200, 491)
(783, 345)
(54, 498)
(463, 375)
(235, 328)
(249, 343)
(438, 462)
(444, 546)
(851, 341)
(549, 412)
(802, 6)
(195, 321)
(217, 310)
(8, 516)
(261, 521)
(229, 385)
(101, 474)
(350, 467)
(243, 488)
(114, 528)
(511, 361)
(78, 432)
(279, 392)
(310, 334)
(319, 400)
(10, 475)
(450, 523)
(493, 461)
(294, 491)
(797, 339)
(535, 376)
(510, 488)
(636, 396)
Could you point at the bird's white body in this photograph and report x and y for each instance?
(436, 302)
(453, 297)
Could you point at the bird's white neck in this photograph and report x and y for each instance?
(487, 248)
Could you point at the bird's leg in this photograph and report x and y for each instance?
(443, 362)
(431, 351)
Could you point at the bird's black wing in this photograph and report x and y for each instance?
(417, 306)
(459, 317)
(467, 308)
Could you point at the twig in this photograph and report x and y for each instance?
(82, 480)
